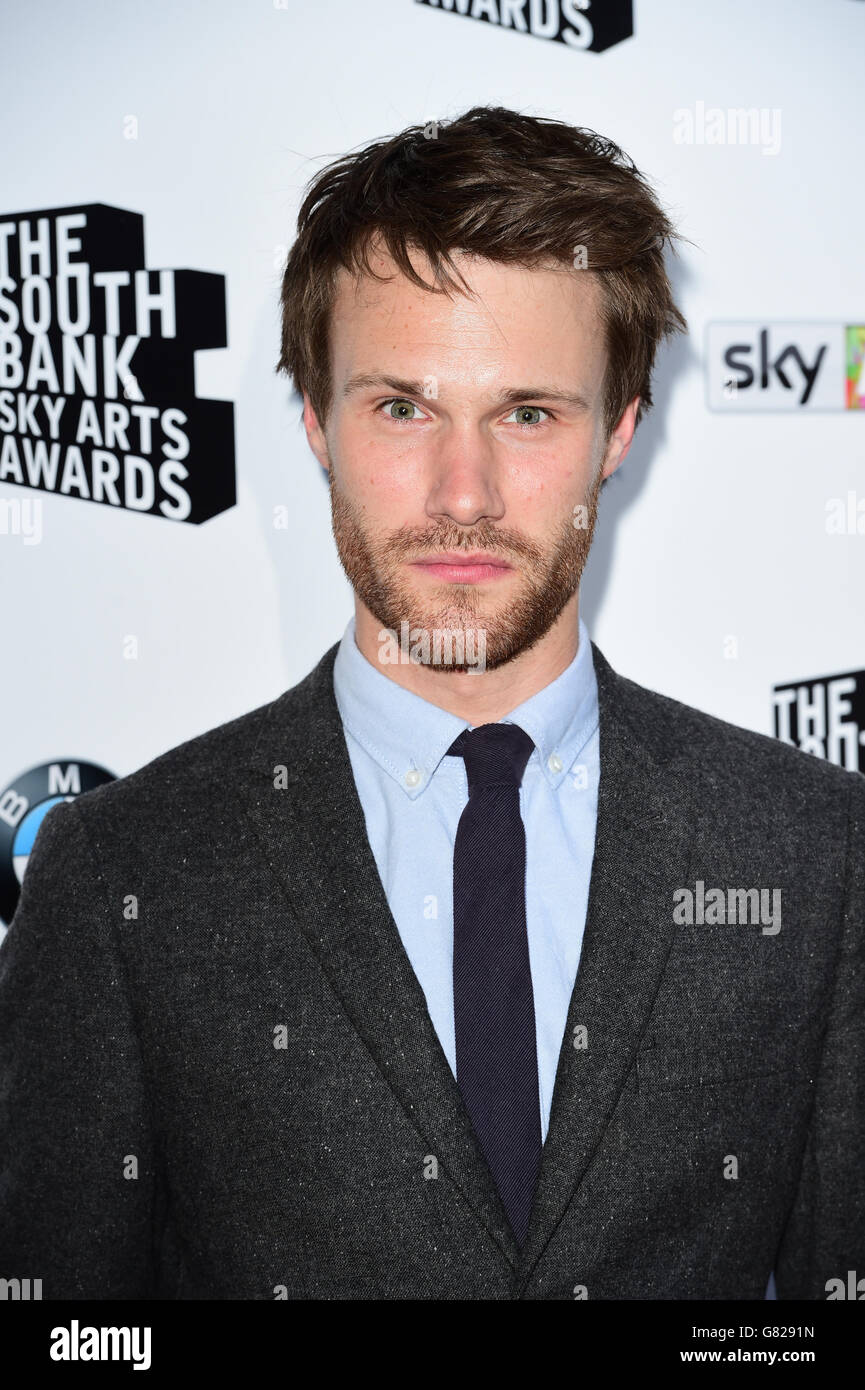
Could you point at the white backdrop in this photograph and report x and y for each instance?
(208, 119)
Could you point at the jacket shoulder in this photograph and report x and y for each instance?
(673, 729)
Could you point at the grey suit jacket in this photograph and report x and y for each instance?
(219, 1078)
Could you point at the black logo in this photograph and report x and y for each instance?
(97, 368)
(583, 24)
(824, 716)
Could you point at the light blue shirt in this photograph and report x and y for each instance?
(393, 735)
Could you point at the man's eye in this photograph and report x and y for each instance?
(525, 415)
(400, 409)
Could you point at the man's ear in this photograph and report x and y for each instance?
(620, 440)
(315, 433)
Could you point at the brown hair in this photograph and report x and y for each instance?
(494, 183)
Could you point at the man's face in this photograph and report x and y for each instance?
(469, 429)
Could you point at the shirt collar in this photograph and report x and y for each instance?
(408, 736)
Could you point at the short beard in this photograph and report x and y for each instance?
(548, 580)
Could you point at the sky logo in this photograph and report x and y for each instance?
(785, 366)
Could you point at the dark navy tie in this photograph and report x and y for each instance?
(494, 1009)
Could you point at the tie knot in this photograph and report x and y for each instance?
(493, 753)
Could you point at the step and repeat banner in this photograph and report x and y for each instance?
(167, 558)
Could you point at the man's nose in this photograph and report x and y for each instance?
(465, 475)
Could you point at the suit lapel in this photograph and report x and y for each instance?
(641, 853)
(337, 898)
(333, 886)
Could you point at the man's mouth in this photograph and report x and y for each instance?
(455, 567)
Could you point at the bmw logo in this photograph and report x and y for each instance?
(23, 806)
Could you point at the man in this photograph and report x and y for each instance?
(466, 968)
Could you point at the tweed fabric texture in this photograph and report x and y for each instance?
(203, 975)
